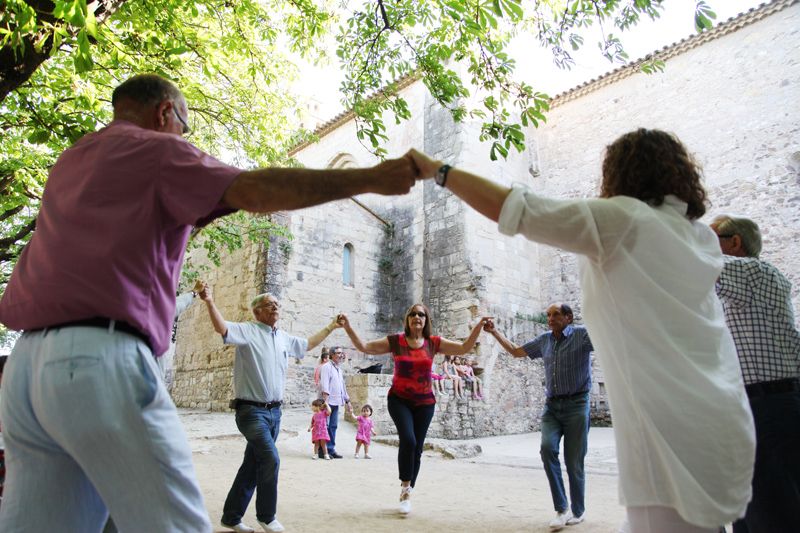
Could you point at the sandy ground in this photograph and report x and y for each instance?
(501, 489)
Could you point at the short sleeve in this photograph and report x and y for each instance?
(236, 334)
(533, 349)
(296, 346)
(587, 341)
(191, 183)
(735, 282)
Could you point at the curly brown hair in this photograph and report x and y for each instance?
(650, 164)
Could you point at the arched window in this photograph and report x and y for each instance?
(348, 263)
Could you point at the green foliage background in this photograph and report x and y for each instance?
(60, 60)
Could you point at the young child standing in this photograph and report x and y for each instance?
(365, 431)
(319, 427)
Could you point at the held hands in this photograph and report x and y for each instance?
(426, 166)
(203, 291)
(488, 326)
(342, 321)
(484, 321)
(395, 176)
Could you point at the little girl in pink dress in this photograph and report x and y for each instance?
(365, 431)
(319, 427)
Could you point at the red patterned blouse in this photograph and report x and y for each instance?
(412, 369)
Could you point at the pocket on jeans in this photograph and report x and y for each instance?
(74, 364)
(146, 391)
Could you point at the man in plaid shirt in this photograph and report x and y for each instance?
(759, 312)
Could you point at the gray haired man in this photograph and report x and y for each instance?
(759, 312)
(259, 379)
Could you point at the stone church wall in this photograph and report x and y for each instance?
(203, 366)
(734, 102)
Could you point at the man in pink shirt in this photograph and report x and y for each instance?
(89, 427)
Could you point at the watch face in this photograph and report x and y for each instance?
(441, 175)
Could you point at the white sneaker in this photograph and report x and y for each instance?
(272, 527)
(355, 456)
(576, 519)
(560, 521)
(367, 456)
(315, 457)
(405, 500)
(238, 528)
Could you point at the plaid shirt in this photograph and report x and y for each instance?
(567, 362)
(759, 312)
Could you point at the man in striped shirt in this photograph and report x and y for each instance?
(759, 312)
(566, 351)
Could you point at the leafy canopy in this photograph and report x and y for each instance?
(60, 60)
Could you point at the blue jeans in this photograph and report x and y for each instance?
(259, 470)
(90, 428)
(333, 425)
(412, 423)
(776, 478)
(568, 417)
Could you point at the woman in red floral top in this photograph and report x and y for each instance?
(411, 401)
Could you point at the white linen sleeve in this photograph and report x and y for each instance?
(565, 224)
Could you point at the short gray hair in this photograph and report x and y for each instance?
(260, 298)
(146, 89)
(746, 229)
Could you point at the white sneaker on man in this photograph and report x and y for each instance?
(272, 527)
(576, 519)
(238, 528)
(560, 520)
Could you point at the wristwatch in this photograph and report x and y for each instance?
(441, 175)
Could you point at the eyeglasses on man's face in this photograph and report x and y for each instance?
(186, 129)
(419, 314)
(725, 235)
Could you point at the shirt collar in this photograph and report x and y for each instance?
(566, 332)
(272, 329)
(676, 203)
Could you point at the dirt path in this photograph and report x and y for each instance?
(503, 489)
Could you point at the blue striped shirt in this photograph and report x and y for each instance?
(567, 365)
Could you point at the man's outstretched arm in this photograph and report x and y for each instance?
(276, 189)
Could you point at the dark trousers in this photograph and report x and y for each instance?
(259, 470)
(412, 423)
(775, 506)
(333, 425)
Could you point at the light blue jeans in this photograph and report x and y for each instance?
(568, 417)
(89, 428)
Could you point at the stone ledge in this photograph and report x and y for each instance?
(449, 449)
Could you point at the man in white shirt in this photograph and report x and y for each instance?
(334, 392)
(259, 380)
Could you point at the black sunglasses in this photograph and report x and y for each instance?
(725, 236)
(417, 313)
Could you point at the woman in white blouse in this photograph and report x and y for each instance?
(684, 433)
